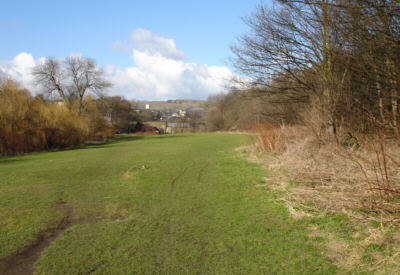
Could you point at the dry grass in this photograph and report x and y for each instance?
(360, 179)
(276, 139)
(338, 250)
(344, 178)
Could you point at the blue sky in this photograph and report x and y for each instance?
(202, 30)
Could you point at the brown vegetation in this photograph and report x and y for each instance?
(33, 124)
(359, 179)
(339, 58)
(328, 68)
(239, 110)
(364, 177)
(120, 113)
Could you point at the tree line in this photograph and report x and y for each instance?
(71, 110)
(334, 62)
(30, 123)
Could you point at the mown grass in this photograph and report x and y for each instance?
(165, 204)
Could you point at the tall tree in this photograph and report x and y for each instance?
(342, 55)
(72, 79)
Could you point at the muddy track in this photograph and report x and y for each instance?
(22, 263)
(199, 176)
(184, 170)
(179, 175)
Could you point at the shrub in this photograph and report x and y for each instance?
(32, 124)
(64, 128)
(99, 128)
(17, 133)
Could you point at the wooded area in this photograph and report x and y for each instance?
(320, 83)
(337, 61)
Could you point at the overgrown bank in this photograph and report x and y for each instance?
(355, 184)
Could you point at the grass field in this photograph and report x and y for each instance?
(176, 204)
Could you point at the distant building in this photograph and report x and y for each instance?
(182, 113)
(147, 106)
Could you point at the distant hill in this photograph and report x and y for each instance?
(172, 106)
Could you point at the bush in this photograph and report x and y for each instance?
(17, 130)
(32, 124)
(64, 128)
(277, 138)
(99, 129)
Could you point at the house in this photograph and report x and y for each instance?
(181, 113)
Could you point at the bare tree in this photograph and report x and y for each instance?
(49, 75)
(72, 79)
(342, 55)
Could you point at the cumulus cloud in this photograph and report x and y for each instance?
(19, 69)
(162, 72)
(146, 41)
(159, 71)
(158, 77)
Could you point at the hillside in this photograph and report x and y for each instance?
(188, 105)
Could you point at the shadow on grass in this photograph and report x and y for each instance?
(126, 138)
(12, 159)
(173, 136)
(106, 144)
(110, 143)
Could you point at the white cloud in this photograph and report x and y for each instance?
(118, 46)
(159, 71)
(19, 69)
(157, 77)
(146, 41)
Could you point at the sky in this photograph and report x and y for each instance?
(149, 50)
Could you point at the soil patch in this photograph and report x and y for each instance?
(22, 263)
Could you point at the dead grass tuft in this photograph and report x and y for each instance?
(338, 250)
(276, 139)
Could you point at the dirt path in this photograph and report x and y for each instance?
(22, 263)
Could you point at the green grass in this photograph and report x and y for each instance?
(189, 204)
